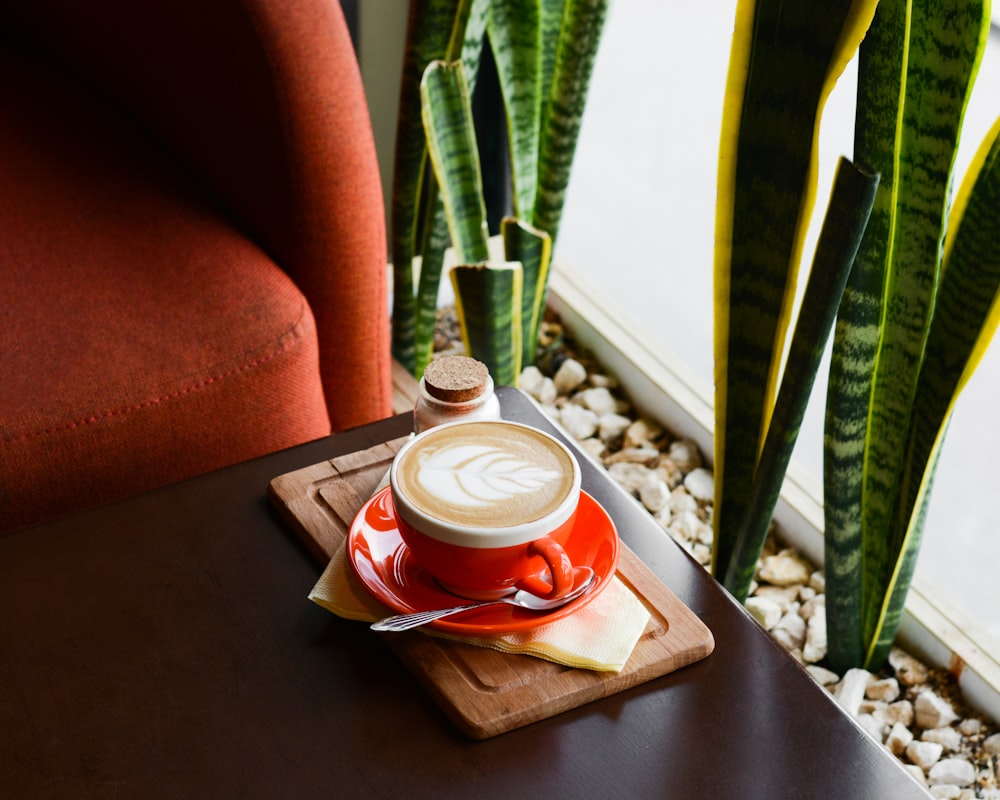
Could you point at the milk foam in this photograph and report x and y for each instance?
(486, 475)
(474, 475)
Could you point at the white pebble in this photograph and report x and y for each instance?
(765, 611)
(948, 738)
(688, 525)
(886, 689)
(605, 381)
(531, 379)
(643, 433)
(592, 447)
(670, 473)
(898, 739)
(909, 670)
(664, 516)
(685, 454)
(992, 744)
(933, 711)
(946, 792)
(702, 553)
(815, 647)
(569, 376)
(637, 455)
(901, 711)
(629, 476)
(821, 675)
(581, 423)
(851, 689)
(700, 484)
(924, 754)
(787, 636)
(917, 773)
(785, 568)
(872, 727)
(598, 399)
(955, 771)
(681, 501)
(612, 426)
(654, 494)
(782, 595)
(812, 606)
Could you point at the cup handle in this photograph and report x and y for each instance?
(560, 568)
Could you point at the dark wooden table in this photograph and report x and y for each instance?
(164, 647)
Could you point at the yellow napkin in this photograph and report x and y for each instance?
(600, 636)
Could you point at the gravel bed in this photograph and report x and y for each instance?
(914, 711)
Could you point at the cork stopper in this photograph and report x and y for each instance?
(456, 379)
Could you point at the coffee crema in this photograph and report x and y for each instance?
(485, 475)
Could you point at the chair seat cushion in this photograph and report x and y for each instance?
(145, 339)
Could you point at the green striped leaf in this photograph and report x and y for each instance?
(514, 29)
(893, 598)
(451, 140)
(435, 237)
(429, 31)
(785, 60)
(947, 38)
(473, 41)
(965, 312)
(579, 37)
(966, 315)
(437, 30)
(533, 249)
(432, 250)
(551, 22)
(878, 126)
(488, 302)
(850, 205)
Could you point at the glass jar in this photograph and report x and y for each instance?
(454, 388)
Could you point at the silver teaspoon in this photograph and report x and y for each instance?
(521, 598)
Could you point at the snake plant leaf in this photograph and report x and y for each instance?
(843, 227)
(451, 141)
(533, 249)
(429, 29)
(893, 598)
(433, 233)
(785, 59)
(437, 29)
(576, 50)
(488, 303)
(432, 251)
(947, 39)
(514, 30)
(551, 22)
(878, 127)
(966, 315)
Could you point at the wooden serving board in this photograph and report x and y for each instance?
(485, 692)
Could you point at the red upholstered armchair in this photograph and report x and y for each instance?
(192, 243)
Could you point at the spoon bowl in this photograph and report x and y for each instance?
(583, 581)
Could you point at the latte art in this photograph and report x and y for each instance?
(476, 475)
(485, 475)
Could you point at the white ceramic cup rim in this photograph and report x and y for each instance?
(485, 537)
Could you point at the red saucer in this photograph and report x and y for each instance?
(386, 566)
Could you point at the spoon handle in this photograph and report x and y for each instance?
(403, 622)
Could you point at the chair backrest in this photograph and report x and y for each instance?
(262, 100)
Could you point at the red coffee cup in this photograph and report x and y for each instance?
(486, 506)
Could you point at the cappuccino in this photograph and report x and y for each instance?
(485, 474)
